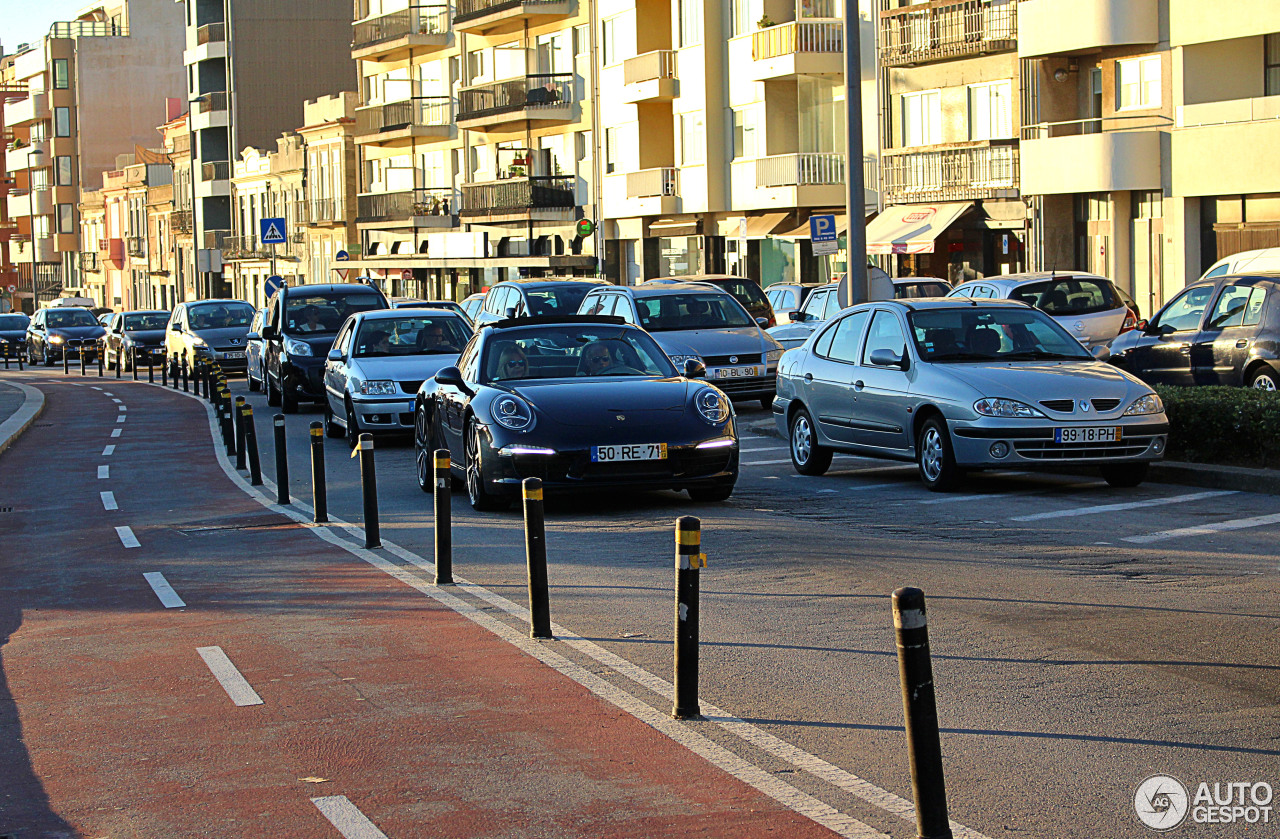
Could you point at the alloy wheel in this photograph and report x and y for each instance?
(802, 439)
(931, 454)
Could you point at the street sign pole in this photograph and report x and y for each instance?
(859, 290)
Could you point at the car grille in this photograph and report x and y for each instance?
(1046, 449)
(732, 386)
(411, 387)
(1067, 406)
(723, 360)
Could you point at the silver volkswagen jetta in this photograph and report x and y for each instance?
(963, 384)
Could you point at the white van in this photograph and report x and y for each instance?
(1264, 259)
(73, 302)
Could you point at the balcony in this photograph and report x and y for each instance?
(112, 251)
(798, 48)
(1234, 130)
(21, 251)
(428, 207)
(89, 262)
(325, 211)
(29, 156)
(401, 123)
(520, 199)
(939, 30)
(136, 246)
(959, 172)
(1101, 155)
(211, 33)
(650, 77)
(23, 203)
(787, 180)
(211, 112)
(652, 191)
(236, 248)
(1065, 27)
(496, 17)
(392, 37)
(215, 239)
(1197, 22)
(211, 43)
(35, 107)
(215, 170)
(536, 101)
(180, 221)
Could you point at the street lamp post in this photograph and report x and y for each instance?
(31, 206)
(195, 224)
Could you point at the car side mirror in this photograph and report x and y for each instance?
(797, 316)
(452, 377)
(694, 369)
(511, 311)
(888, 358)
(267, 332)
(1101, 352)
(335, 355)
(762, 321)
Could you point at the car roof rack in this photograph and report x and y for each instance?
(535, 320)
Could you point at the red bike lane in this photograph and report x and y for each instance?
(369, 695)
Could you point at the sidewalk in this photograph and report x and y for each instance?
(1210, 476)
(19, 407)
(359, 700)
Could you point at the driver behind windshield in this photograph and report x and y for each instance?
(596, 358)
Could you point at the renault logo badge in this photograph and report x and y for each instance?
(1084, 405)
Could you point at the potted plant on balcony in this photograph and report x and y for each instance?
(765, 22)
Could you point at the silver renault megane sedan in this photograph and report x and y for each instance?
(957, 384)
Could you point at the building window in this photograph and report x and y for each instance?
(617, 38)
(61, 74)
(745, 15)
(1138, 83)
(991, 111)
(66, 219)
(922, 118)
(64, 174)
(744, 134)
(690, 22)
(610, 150)
(62, 122)
(1271, 62)
(581, 39)
(693, 139)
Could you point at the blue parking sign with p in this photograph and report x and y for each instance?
(822, 234)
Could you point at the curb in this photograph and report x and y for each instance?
(32, 407)
(1210, 476)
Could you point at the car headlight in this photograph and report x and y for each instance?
(679, 360)
(295, 347)
(512, 413)
(378, 387)
(56, 339)
(711, 405)
(197, 341)
(1149, 404)
(772, 356)
(1005, 408)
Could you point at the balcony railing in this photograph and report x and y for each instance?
(434, 202)
(321, 210)
(214, 100)
(797, 36)
(659, 64)
(963, 173)
(470, 9)
(216, 238)
(180, 221)
(517, 195)
(917, 33)
(385, 206)
(648, 183)
(87, 29)
(137, 246)
(211, 33)
(420, 110)
(217, 170)
(244, 247)
(511, 95)
(416, 20)
(89, 261)
(813, 169)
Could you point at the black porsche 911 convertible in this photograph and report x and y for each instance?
(581, 402)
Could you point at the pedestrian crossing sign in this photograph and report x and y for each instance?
(272, 231)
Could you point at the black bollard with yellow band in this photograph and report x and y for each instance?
(251, 446)
(368, 490)
(237, 412)
(444, 517)
(282, 460)
(535, 544)
(319, 489)
(689, 559)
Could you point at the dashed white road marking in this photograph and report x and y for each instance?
(764, 462)
(106, 392)
(121, 418)
(127, 538)
(746, 450)
(94, 387)
(117, 400)
(871, 486)
(1203, 529)
(168, 597)
(109, 501)
(228, 676)
(104, 472)
(122, 407)
(347, 818)
(1128, 505)
(115, 432)
(108, 451)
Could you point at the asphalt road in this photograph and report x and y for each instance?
(1083, 638)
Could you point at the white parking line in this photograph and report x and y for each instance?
(1129, 505)
(127, 538)
(992, 496)
(1202, 529)
(228, 676)
(104, 472)
(765, 449)
(108, 451)
(168, 597)
(347, 818)
(871, 486)
(109, 501)
(115, 432)
(764, 462)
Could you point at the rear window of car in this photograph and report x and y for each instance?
(557, 300)
(220, 315)
(748, 293)
(675, 312)
(1069, 296)
(326, 311)
(13, 321)
(148, 321)
(910, 291)
(71, 317)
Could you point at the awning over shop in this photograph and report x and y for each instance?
(760, 226)
(675, 227)
(911, 228)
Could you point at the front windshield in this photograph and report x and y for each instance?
(220, 315)
(146, 321)
(325, 312)
(14, 321)
(71, 317)
(410, 335)
(557, 300)
(572, 351)
(675, 312)
(991, 334)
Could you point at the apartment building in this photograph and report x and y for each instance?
(475, 130)
(133, 199)
(74, 120)
(9, 300)
(250, 65)
(723, 135)
(266, 185)
(179, 244)
(328, 214)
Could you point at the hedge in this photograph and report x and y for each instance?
(1227, 425)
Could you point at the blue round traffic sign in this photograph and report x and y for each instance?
(341, 256)
(273, 284)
